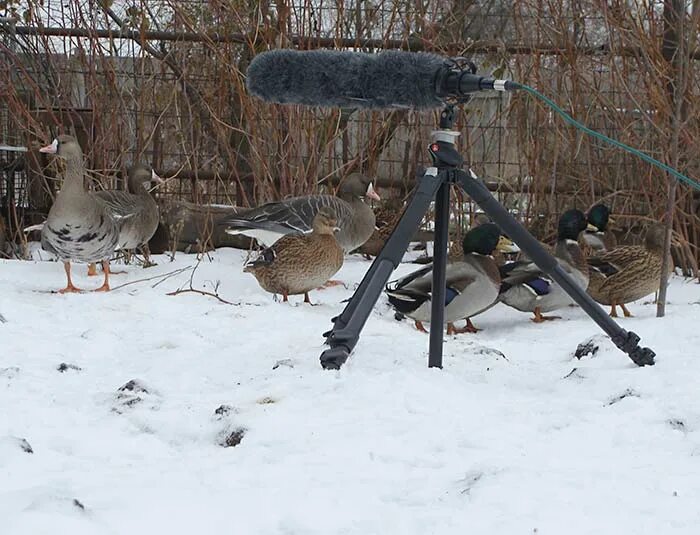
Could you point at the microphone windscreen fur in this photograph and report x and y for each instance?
(342, 79)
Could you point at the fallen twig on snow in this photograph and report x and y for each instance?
(164, 276)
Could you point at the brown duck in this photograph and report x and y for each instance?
(298, 263)
(628, 273)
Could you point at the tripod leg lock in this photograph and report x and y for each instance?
(628, 342)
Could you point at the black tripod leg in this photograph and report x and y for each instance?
(626, 341)
(437, 311)
(347, 326)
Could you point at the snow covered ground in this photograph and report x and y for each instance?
(513, 436)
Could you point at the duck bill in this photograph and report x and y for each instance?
(372, 194)
(592, 228)
(156, 178)
(506, 245)
(50, 149)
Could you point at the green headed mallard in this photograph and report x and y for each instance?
(298, 263)
(629, 272)
(597, 236)
(526, 288)
(472, 282)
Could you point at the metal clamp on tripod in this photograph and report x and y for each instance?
(436, 183)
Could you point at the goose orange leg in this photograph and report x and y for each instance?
(105, 284)
(69, 286)
(92, 270)
(626, 312)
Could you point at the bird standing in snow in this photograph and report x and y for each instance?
(472, 282)
(629, 272)
(527, 288)
(79, 227)
(269, 222)
(298, 263)
(137, 208)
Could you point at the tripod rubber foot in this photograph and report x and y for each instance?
(629, 343)
(334, 358)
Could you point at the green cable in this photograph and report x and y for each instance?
(605, 138)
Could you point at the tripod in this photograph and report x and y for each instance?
(436, 183)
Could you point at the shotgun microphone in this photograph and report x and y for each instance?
(344, 79)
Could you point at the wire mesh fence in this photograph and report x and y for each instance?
(164, 82)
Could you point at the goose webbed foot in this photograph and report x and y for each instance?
(69, 289)
(105, 285)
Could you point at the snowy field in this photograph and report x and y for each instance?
(513, 436)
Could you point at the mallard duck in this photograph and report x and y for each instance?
(387, 216)
(629, 272)
(298, 263)
(271, 221)
(526, 288)
(597, 236)
(472, 282)
(136, 210)
(79, 226)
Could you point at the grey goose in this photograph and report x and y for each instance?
(269, 222)
(79, 227)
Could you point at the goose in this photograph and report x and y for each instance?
(269, 222)
(79, 227)
(137, 208)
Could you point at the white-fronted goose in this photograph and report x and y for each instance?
(135, 209)
(271, 221)
(526, 288)
(79, 227)
(298, 263)
(472, 282)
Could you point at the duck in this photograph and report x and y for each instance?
(473, 282)
(597, 237)
(527, 288)
(297, 263)
(629, 272)
(269, 222)
(79, 227)
(386, 219)
(136, 209)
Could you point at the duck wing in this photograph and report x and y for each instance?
(615, 260)
(408, 293)
(524, 273)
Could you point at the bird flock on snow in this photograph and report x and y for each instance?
(304, 240)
